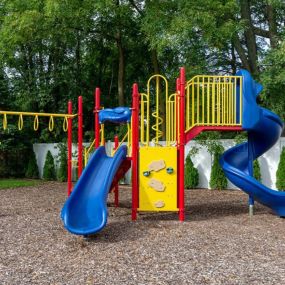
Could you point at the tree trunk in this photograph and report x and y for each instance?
(233, 59)
(241, 52)
(249, 35)
(271, 17)
(121, 70)
(78, 64)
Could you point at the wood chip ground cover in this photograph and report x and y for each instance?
(217, 244)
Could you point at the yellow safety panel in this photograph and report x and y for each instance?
(158, 179)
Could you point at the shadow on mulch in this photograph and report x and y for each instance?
(206, 211)
(118, 231)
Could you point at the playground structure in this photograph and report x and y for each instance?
(204, 103)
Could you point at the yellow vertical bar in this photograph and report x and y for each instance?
(235, 99)
(102, 134)
(188, 106)
(223, 106)
(203, 100)
(173, 121)
(230, 104)
(193, 102)
(229, 100)
(213, 101)
(142, 121)
(232, 95)
(208, 101)
(219, 102)
(198, 100)
(175, 116)
(227, 103)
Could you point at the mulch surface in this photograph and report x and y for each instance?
(217, 244)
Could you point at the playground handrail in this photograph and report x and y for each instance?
(126, 136)
(171, 119)
(213, 101)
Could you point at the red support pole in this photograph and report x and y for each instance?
(96, 123)
(177, 133)
(135, 150)
(181, 145)
(116, 141)
(80, 135)
(69, 150)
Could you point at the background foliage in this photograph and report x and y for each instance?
(52, 51)
(191, 173)
(280, 174)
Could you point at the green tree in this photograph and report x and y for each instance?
(191, 174)
(218, 179)
(49, 168)
(62, 171)
(280, 174)
(32, 168)
(256, 170)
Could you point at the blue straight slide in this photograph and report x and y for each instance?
(264, 129)
(85, 211)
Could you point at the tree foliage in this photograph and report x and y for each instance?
(191, 174)
(32, 168)
(62, 170)
(49, 172)
(256, 170)
(280, 174)
(52, 50)
(218, 179)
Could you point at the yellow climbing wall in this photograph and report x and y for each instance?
(158, 179)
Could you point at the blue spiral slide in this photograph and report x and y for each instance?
(264, 129)
(85, 211)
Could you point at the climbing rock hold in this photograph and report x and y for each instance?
(156, 165)
(159, 204)
(156, 185)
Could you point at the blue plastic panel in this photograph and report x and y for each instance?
(116, 115)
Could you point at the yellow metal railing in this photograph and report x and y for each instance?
(88, 150)
(126, 138)
(171, 119)
(144, 118)
(154, 107)
(36, 116)
(213, 101)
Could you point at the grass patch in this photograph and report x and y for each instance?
(14, 183)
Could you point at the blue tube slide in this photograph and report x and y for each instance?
(264, 129)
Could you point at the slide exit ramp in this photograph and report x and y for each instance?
(85, 211)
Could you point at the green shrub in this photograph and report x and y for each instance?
(15, 147)
(49, 168)
(280, 174)
(256, 170)
(191, 174)
(32, 168)
(218, 179)
(62, 171)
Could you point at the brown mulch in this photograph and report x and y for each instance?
(217, 244)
